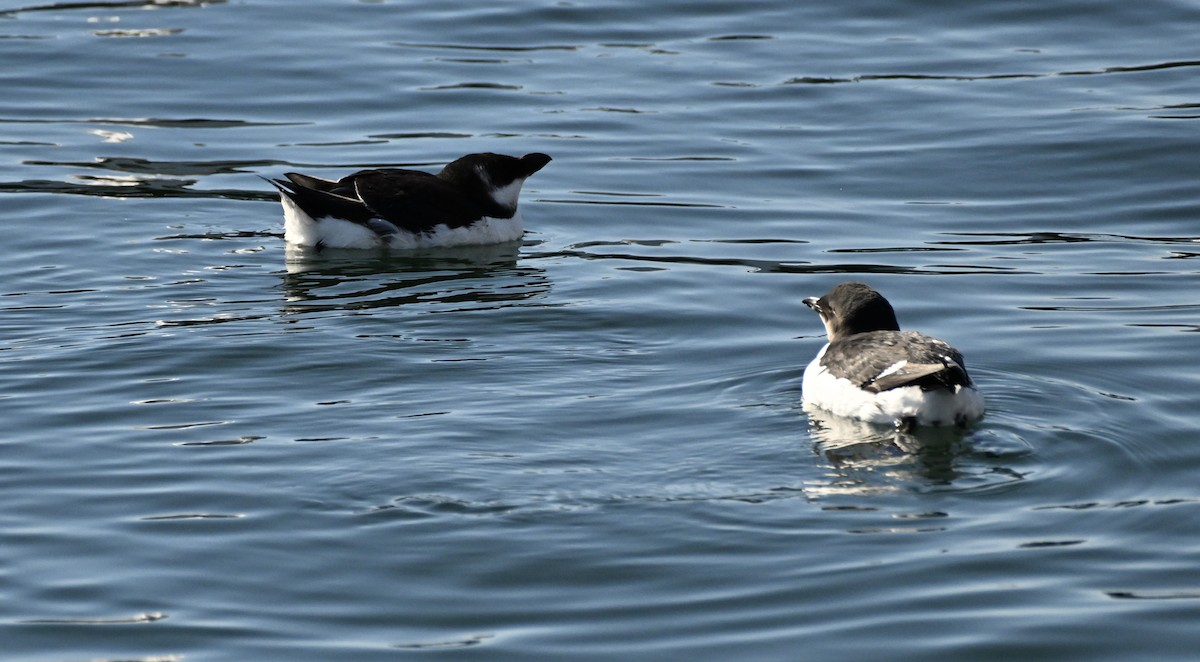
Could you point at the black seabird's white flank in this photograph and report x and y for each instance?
(873, 371)
(472, 201)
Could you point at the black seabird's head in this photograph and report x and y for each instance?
(851, 308)
(494, 180)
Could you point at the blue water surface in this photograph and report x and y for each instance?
(590, 445)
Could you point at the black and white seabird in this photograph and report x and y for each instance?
(872, 371)
(472, 201)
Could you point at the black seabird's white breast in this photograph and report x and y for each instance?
(873, 371)
(473, 200)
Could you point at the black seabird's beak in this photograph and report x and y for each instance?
(534, 162)
(812, 302)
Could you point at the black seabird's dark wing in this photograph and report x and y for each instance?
(323, 197)
(413, 200)
(883, 360)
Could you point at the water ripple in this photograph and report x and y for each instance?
(778, 266)
(476, 47)
(473, 86)
(822, 80)
(1155, 595)
(175, 168)
(132, 187)
(139, 33)
(111, 5)
(150, 617)
(447, 644)
(163, 123)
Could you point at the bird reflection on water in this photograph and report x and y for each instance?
(463, 278)
(869, 458)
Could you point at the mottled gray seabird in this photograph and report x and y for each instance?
(871, 370)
